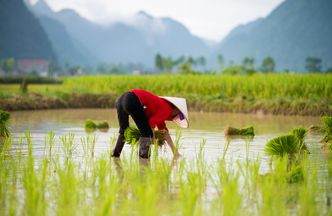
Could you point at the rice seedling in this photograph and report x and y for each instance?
(230, 131)
(88, 145)
(299, 133)
(97, 185)
(132, 136)
(290, 144)
(49, 143)
(91, 126)
(4, 118)
(103, 126)
(327, 129)
(68, 145)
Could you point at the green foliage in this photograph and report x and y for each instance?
(24, 86)
(268, 65)
(273, 93)
(285, 145)
(299, 133)
(4, 118)
(185, 69)
(167, 64)
(8, 65)
(90, 125)
(30, 79)
(159, 62)
(329, 70)
(248, 63)
(234, 70)
(69, 182)
(327, 124)
(103, 125)
(132, 135)
(313, 64)
(230, 131)
(327, 129)
(220, 62)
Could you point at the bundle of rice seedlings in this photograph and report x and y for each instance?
(299, 133)
(4, 118)
(327, 129)
(314, 129)
(90, 125)
(285, 145)
(295, 175)
(103, 125)
(230, 131)
(132, 136)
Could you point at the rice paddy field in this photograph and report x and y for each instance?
(290, 94)
(49, 165)
(54, 167)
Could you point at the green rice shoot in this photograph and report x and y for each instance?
(231, 131)
(132, 136)
(4, 119)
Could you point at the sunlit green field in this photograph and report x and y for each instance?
(68, 179)
(273, 93)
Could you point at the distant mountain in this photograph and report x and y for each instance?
(292, 32)
(67, 50)
(136, 40)
(21, 35)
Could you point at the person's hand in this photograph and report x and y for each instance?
(177, 156)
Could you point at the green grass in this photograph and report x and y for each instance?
(132, 135)
(69, 180)
(4, 118)
(327, 130)
(274, 93)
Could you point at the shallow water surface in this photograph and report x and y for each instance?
(205, 128)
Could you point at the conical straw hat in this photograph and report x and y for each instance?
(182, 119)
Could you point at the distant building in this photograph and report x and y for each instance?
(136, 72)
(33, 66)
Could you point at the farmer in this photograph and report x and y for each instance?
(149, 112)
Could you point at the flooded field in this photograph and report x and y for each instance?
(215, 175)
(203, 126)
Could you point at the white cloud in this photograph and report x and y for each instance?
(211, 19)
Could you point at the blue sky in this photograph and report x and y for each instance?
(210, 19)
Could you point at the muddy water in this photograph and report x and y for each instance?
(204, 127)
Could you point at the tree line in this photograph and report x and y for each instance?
(164, 64)
(268, 65)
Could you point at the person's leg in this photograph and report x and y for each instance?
(123, 118)
(133, 106)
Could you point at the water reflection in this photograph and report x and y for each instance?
(203, 126)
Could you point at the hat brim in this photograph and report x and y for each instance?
(180, 103)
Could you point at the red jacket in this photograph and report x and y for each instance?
(156, 109)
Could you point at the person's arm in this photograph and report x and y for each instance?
(171, 145)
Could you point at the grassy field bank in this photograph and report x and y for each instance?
(302, 94)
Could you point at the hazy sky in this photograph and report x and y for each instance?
(211, 19)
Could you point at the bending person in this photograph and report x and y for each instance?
(149, 112)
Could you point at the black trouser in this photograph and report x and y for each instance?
(129, 104)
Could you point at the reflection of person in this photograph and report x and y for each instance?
(149, 112)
